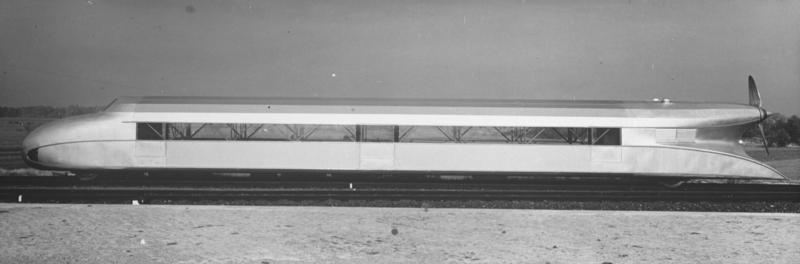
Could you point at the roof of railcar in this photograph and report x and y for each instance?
(180, 102)
(436, 111)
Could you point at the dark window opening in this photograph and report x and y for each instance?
(377, 133)
(33, 155)
(150, 131)
(606, 136)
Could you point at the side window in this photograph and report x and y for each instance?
(606, 136)
(383, 133)
(378, 134)
(149, 131)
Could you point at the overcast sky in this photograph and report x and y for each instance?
(88, 52)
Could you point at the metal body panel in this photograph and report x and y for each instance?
(89, 155)
(263, 155)
(433, 157)
(91, 127)
(722, 139)
(377, 156)
(439, 120)
(436, 112)
(150, 153)
(692, 140)
(492, 157)
(573, 158)
(162, 103)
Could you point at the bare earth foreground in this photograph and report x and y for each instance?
(52, 233)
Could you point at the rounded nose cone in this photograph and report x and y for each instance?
(41, 136)
(45, 146)
(62, 131)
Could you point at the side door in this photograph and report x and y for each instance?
(377, 147)
(150, 147)
(377, 156)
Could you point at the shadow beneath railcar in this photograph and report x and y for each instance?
(336, 178)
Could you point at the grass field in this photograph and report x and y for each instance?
(775, 154)
(785, 160)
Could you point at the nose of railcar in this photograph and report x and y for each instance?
(42, 136)
(37, 145)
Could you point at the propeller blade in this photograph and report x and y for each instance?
(764, 137)
(755, 96)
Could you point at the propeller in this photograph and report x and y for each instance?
(755, 100)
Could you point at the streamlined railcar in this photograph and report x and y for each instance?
(500, 137)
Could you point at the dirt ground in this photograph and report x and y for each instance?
(50, 233)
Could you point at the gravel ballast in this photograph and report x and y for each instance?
(51, 233)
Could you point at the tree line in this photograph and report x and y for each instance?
(47, 111)
(779, 130)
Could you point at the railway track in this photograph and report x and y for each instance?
(44, 194)
(221, 190)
